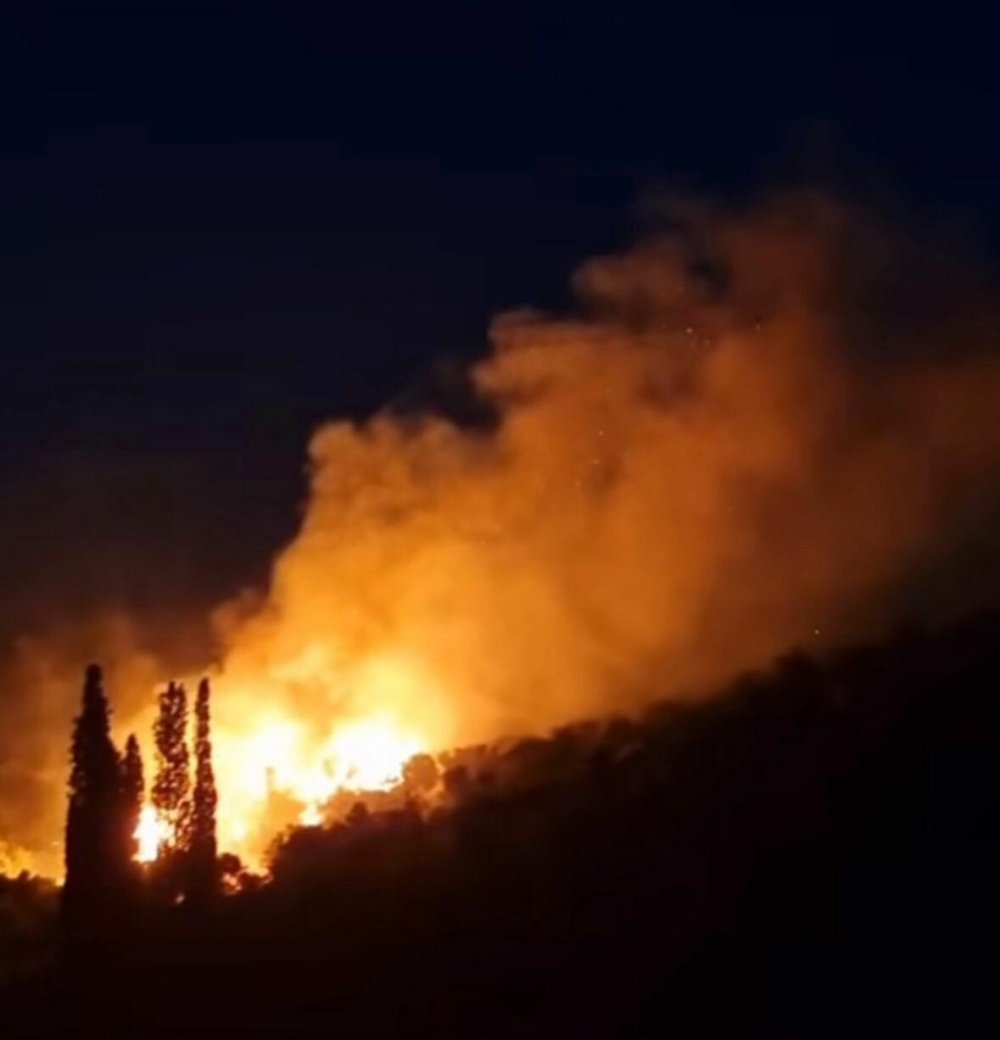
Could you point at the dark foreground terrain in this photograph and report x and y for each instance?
(811, 855)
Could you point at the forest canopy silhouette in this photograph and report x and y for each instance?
(814, 842)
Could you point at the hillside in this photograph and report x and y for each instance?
(807, 854)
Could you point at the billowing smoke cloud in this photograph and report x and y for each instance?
(698, 471)
(761, 429)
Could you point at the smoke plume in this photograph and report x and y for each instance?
(759, 428)
(699, 470)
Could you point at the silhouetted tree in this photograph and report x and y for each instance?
(133, 791)
(95, 865)
(171, 786)
(204, 876)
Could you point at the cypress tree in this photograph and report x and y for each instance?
(203, 840)
(133, 792)
(171, 786)
(94, 864)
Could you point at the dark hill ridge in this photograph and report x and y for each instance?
(809, 854)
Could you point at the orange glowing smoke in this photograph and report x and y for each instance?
(741, 441)
(699, 472)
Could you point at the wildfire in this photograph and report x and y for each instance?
(370, 755)
(294, 730)
(151, 834)
(366, 754)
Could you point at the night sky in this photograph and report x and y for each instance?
(224, 226)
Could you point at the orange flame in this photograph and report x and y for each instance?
(152, 833)
(273, 772)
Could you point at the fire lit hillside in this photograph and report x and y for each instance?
(697, 470)
(711, 460)
(273, 778)
(777, 840)
(499, 522)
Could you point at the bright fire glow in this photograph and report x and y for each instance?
(370, 755)
(362, 755)
(291, 732)
(272, 772)
(151, 834)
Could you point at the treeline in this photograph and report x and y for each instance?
(29, 908)
(809, 854)
(105, 883)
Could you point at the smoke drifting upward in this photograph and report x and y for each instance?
(761, 429)
(706, 466)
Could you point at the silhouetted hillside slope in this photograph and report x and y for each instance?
(810, 854)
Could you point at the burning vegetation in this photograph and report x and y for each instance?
(813, 842)
(112, 831)
(119, 839)
(741, 440)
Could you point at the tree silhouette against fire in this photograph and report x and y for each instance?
(106, 793)
(803, 854)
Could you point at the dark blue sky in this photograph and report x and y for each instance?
(224, 225)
